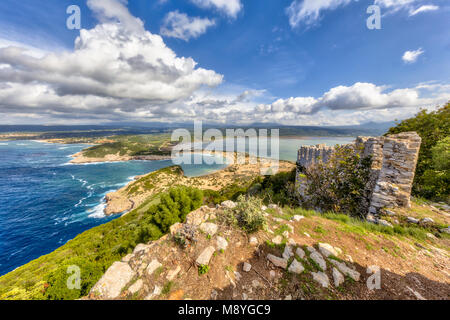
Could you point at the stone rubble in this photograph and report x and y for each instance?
(277, 261)
(317, 258)
(204, 258)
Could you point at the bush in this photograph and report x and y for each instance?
(247, 214)
(175, 205)
(56, 282)
(280, 188)
(339, 185)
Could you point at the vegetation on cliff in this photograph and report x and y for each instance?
(95, 250)
(432, 180)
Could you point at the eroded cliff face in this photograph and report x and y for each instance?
(394, 160)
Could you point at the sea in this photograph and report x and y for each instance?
(45, 201)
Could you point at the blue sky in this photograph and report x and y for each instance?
(261, 64)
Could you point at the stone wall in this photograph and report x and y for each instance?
(394, 160)
(310, 155)
(394, 183)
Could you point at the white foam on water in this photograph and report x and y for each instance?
(4, 144)
(98, 211)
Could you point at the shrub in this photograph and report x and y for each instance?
(203, 269)
(56, 282)
(247, 214)
(339, 185)
(278, 188)
(175, 205)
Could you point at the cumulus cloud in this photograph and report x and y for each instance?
(308, 12)
(359, 96)
(412, 56)
(115, 68)
(181, 26)
(229, 7)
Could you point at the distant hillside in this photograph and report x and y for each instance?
(59, 131)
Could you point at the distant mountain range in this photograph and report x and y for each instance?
(369, 129)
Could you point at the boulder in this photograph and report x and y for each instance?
(426, 221)
(111, 284)
(346, 270)
(297, 218)
(205, 256)
(328, 250)
(296, 267)
(321, 278)
(152, 266)
(412, 220)
(337, 277)
(287, 252)
(317, 258)
(247, 267)
(209, 228)
(277, 261)
(300, 253)
(222, 243)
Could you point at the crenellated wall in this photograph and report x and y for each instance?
(394, 160)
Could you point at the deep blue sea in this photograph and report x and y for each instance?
(45, 201)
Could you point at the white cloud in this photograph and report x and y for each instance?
(424, 8)
(394, 6)
(307, 12)
(181, 26)
(412, 56)
(116, 68)
(229, 7)
(364, 97)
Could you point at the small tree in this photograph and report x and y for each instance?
(339, 185)
(175, 206)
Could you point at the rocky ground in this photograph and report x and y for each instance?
(296, 257)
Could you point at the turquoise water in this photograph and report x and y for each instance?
(45, 201)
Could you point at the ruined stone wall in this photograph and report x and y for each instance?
(310, 155)
(394, 184)
(394, 160)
